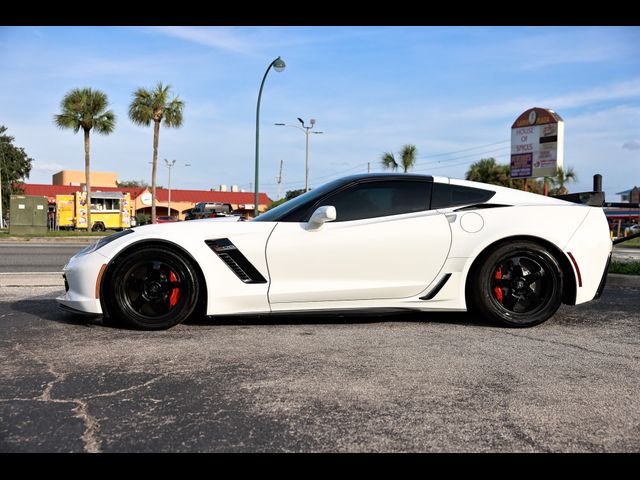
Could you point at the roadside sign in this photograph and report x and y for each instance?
(537, 144)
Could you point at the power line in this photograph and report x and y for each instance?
(364, 165)
(464, 149)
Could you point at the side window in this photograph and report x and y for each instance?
(446, 195)
(379, 199)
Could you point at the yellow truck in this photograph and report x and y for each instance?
(109, 210)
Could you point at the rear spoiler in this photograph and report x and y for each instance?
(593, 199)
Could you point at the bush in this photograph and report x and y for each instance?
(626, 268)
(142, 218)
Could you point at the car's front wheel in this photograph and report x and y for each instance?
(518, 284)
(152, 288)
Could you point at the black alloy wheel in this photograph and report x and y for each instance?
(519, 285)
(152, 288)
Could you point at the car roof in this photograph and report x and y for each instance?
(387, 176)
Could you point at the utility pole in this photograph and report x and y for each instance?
(170, 165)
(279, 178)
(368, 167)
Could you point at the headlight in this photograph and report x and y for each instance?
(102, 242)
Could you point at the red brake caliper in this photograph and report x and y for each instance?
(175, 293)
(498, 290)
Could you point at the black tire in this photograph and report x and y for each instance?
(518, 284)
(153, 288)
(98, 227)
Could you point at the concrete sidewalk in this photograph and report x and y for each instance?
(32, 279)
(78, 239)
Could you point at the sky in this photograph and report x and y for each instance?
(454, 92)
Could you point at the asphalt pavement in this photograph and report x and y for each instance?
(414, 382)
(36, 257)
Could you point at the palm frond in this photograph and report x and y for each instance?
(173, 113)
(408, 154)
(388, 161)
(82, 108)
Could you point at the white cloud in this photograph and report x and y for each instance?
(222, 38)
(632, 144)
(47, 167)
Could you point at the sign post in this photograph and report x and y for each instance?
(537, 144)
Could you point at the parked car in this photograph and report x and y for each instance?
(166, 219)
(364, 242)
(209, 210)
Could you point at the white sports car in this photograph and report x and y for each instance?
(375, 241)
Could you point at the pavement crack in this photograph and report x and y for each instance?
(91, 427)
(128, 389)
(571, 345)
(81, 410)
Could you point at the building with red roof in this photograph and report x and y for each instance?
(181, 200)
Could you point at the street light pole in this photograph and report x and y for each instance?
(279, 66)
(170, 165)
(1, 162)
(306, 129)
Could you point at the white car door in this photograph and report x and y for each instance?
(353, 258)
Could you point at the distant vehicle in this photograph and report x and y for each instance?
(166, 219)
(209, 210)
(633, 229)
(109, 210)
(377, 241)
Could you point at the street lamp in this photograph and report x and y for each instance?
(279, 65)
(306, 129)
(170, 165)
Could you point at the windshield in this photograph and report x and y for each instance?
(287, 207)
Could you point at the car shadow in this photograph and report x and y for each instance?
(46, 308)
(329, 318)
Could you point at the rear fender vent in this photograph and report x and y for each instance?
(235, 260)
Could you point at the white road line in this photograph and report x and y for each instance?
(31, 273)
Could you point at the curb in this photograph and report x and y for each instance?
(51, 239)
(625, 281)
(35, 279)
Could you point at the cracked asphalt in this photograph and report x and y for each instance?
(402, 382)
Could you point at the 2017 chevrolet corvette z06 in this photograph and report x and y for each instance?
(374, 241)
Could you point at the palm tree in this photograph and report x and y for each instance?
(563, 177)
(407, 158)
(86, 109)
(152, 106)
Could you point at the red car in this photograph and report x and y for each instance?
(166, 219)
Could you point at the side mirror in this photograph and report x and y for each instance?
(322, 214)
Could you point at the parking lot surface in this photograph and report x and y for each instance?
(409, 382)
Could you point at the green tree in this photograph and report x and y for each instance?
(15, 166)
(86, 109)
(561, 178)
(152, 106)
(407, 154)
(133, 184)
(287, 196)
(487, 170)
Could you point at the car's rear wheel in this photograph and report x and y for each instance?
(152, 288)
(518, 284)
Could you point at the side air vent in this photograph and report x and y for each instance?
(235, 260)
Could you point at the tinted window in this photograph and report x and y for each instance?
(378, 199)
(288, 211)
(445, 195)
